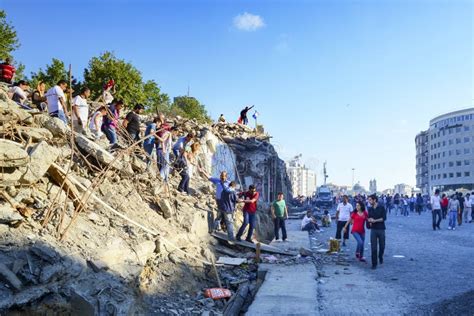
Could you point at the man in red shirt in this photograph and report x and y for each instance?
(7, 71)
(250, 210)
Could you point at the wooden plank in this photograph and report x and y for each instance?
(245, 244)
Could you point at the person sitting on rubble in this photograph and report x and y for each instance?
(38, 98)
(19, 94)
(7, 71)
(188, 164)
(132, 122)
(110, 123)
(80, 111)
(96, 122)
(309, 223)
(326, 219)
(221, 119)
(57, 101)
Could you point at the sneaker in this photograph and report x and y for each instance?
(449, 228)
(454, 228)
(362, 259)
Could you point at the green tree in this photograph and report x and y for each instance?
(155, 101)
(54, 72)
(190, 107)
(20, 72)
(8, 39)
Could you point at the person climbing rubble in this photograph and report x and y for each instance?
(132, 122)
(243, 115)
(96, 122)
(279, 215)
(57, 101)
(250, 209)
(221, 184)
(187, 166)
(150, 143)
(110, 122)
(107, 96)
(38, 98)
(80, 111)
(181, 144)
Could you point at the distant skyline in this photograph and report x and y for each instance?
(347, 82)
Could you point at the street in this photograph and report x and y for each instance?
(425, 272)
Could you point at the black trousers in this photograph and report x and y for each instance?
(279, 222)
(377, 237)
(340, 227)
(434, 214)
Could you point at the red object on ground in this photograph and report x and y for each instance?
(217, 293)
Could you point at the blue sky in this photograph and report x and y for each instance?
(350, 82)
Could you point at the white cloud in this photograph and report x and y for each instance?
(248, 22)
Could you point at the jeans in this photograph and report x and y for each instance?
(148, 147)
(444, 211)
(405, 210)
(452, 218)
(377, 236)
(434, 214)
(340, 227)
(396, 207)
(279, 222)
(249, 218)
(184, 184)
(360, 238)
(467, 213)
(60, 115)
(419, 208)
(164, 164)
(229, 223)
(110, 134)
(310, 227)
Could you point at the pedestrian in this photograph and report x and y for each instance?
(250, 209)
(412, 202)
(221, 184)
(150, 142)
(405, 202)
(377, 218)
(444, 205)
(472, 206)
(461, 206)
(419, 203)
(189, 163)
(57, 101)
(467, 212)
(110, 122)
(165, 140)
(358, 220)
(243, 115)
(95, 124)
(80, 111)
(279, 215)
(132, 122)
(7, 71)
(396, 203)
(228, 201)
(454, 209)
(38, 97)
(309, 223)
(343, 214)
(435, 202)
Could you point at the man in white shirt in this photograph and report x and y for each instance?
(80, 111)
(435, 202)
(57, 101)
(343, 214)
(467, 212)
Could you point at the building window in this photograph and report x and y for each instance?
(450, 152)
(444, 143)
(444, 154)
(467, 174)
(458, 174)
(467, 150)
(451, 175)
(466, 128)
(444, 165)
(450, 131)
(451, 164)
(459, 163)
(466, 139)
(458, 130)
(458, 140)
(439, 176)
(445, 175)
(450, 141)
(467, 162)
(458, 151)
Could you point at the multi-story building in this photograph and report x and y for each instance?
(373, 186)
(403, 189)
(303, 180)
(450, 152)
(422, 153)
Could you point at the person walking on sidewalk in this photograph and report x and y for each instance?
(444, 205)
(377, 218)
(358, 221)
(454, 209)
(461, 200)
(279, 215)
(343, 214)
(435, 202)
(467, 212)
(250, 210)
(419, 203)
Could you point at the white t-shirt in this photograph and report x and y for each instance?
(82, 108)
(306, 220)
(20, 94)
(467, 202)
(107, 96)
(53, 96)
(435, 202)
(344, 211)
(92, 125)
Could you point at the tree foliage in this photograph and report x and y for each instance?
(51, 75)
(190, 108)
(8, 39)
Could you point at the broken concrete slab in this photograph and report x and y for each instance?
(42, 156)
(12, 155)
(56, 127)
(9, 215)
(166, 208)
(37, 134)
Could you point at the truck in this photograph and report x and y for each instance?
(324, 198)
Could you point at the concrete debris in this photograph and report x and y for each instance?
(42, 156)
(12, 155)
(9, 215)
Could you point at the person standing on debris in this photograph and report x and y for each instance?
(110, 122)
(181, 144)
(57, 101)
(132, 122)
(467, 212)
(96, 122)
(279, 215)
(377, 218)
(309, 223)
(343, 214)
(150, 142)
(164, 137)
(358, 221)
(243, 115)
(454, 209)
(7, 71)
(80, 111)
(228, 201)
(107, 96)
(188, 165)
(38, 98)
(250, 209)
(436, 209)
(221, 119)
(221, 184)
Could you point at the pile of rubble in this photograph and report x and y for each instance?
(86, 231)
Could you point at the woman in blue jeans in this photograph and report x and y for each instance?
(358, 220)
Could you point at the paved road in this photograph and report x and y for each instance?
(425, 272)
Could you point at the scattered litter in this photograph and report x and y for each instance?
(231, 261)
(217, 293)
(399, 256)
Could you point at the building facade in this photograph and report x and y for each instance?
(422, 167)
(303, 180)
(373, 186)
(451, 151)
(403, 189)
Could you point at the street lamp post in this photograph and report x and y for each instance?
(353, 169)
